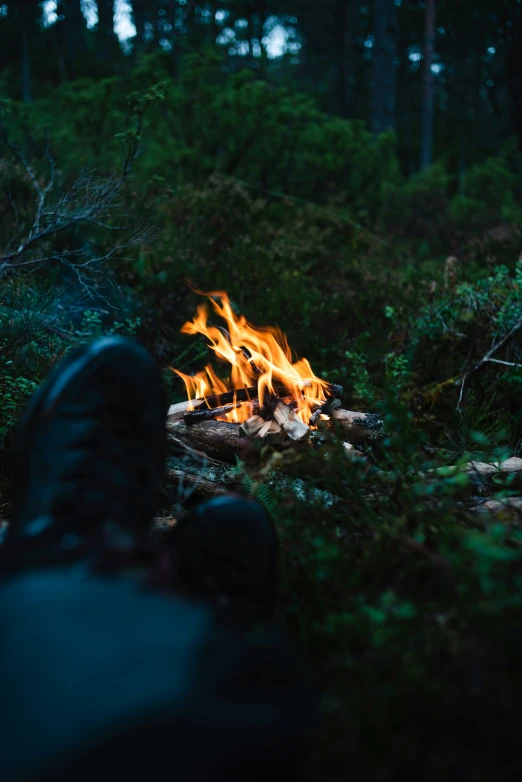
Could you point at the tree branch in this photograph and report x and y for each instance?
(488, 357)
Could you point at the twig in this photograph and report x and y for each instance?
(59, 332)
(197, 416)
(91, 199)
(506, 363)
(488, 357)
(201, 455)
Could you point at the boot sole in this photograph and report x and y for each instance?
(64, 378)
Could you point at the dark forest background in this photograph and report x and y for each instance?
(352, 172)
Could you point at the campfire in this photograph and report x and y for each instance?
(267, 395)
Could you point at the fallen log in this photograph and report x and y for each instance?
(328, 408)
(197, 483)
(510, 506)
(219, 439)
(482, 472)
(485, 470)
(191, 453)
(357, 427)
(222, 440)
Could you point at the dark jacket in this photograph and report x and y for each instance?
(102, 680)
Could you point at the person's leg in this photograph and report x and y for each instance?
(99, 676)
(224, 551)
(89, 457)
(89, 467)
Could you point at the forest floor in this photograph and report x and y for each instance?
(401, 558)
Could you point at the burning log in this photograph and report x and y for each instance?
(264, 430)
(269, 431)
(289, 423)
(216, 400)
(252, 426)
(218, 439)
(177, 411)
(223, 440)
(275, 435)
(327, 409)
(197, 416)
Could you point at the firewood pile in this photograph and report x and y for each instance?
(202, 424)
(268, 400)
(204, 445)
(270, 403)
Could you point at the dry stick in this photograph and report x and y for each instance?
(197, 416)
(196, 482)
(89, 200)
(197, 455)
(488, 357)
(506, 363)
(218, 400)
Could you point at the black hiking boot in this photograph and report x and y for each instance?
(225, 552)
(90, 457)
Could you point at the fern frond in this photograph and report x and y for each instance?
(265, 496)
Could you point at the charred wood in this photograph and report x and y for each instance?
(197, 416)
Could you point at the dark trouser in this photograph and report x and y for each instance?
(102, 678)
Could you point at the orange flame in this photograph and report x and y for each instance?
(259, 358)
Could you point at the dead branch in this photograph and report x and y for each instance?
(488, 357)
(197, 483)
(91, 199)
(198, 456)
(217, 400)
(198, 416)
(509, 505)
(486, 470)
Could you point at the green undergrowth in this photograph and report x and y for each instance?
(407, 602)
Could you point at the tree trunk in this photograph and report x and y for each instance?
(106, 21)
(145, 22)
(72, 34)
(462, 160)
(213, 24)
(384, 86)
(429, 87)
(26, 66)
(345, 19)
(24, 26)
(249, 15)
(514, 76)
(139, 17)
(261, 17)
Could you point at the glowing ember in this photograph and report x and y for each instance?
(259, 358)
